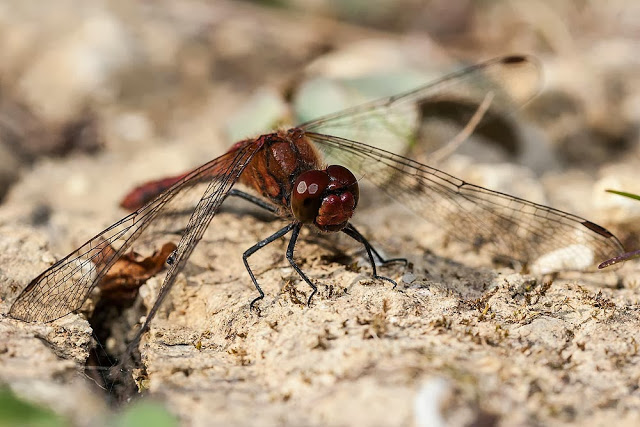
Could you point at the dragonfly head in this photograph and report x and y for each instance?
(326, 198)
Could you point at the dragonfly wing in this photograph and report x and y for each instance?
(394, 122)
(183, 211)
(547, 239)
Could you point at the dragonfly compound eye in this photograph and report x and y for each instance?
(326, 198)
(308, 191)
(341, 180)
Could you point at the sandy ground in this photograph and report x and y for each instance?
(461, 340)
(471, 344)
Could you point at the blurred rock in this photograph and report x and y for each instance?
(59, 81)
(9, 169)
(379, 56)
(429, 401)
(591, 126)
(442, 18)
(263, 113)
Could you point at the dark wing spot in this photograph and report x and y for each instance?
(597, 229)
(514, 59)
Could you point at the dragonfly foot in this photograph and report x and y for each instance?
(386, 279)
(313, 292)
(252, 304)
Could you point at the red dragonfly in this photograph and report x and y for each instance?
(306, 176)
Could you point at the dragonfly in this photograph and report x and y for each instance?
(309, 176)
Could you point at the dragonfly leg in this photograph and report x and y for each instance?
(350, 231)
(255, 200)
(261, 244)
(365, 242)
(290, 248)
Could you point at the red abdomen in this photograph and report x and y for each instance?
(271, 172)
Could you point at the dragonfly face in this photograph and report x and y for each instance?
(326, 198)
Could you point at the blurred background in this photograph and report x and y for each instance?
(149, 88)
(99, 96)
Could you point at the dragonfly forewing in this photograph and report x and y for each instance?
(180, 213)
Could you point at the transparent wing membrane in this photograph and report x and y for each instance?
(547, 239)
(182, 212)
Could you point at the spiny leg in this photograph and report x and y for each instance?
(255, 200)
(365, 242)
(261, 244)
(290, 248)
(296, 231)
(350, 231)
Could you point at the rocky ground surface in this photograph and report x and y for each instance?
(462, 340)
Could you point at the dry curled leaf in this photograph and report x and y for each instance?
(129, 272)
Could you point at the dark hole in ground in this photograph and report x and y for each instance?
(112, 368)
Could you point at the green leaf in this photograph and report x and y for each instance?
(146, 413)
(17, 412)
(263, 113)
(625, 194)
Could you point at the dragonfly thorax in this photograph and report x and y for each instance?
(326, 198)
